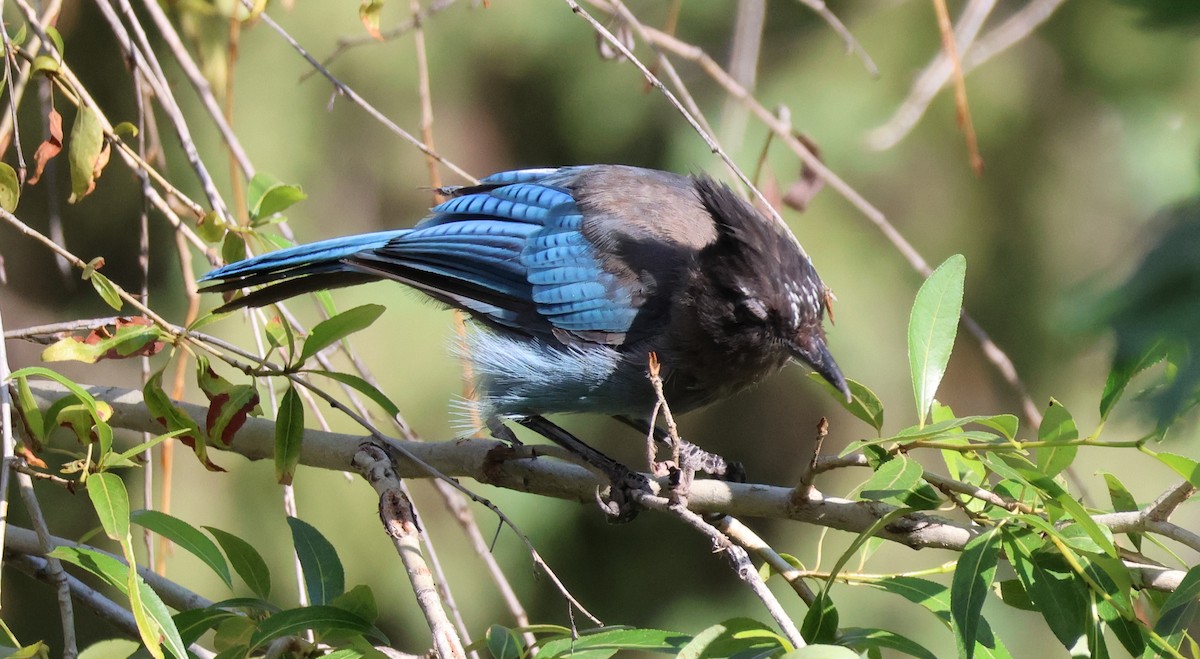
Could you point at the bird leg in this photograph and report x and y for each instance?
(622, 505)
(690, 455)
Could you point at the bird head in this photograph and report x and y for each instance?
(770, 283)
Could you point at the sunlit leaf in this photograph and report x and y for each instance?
(864, 404)
(932, 328)
(106, 289)
(332, 330)
(88, 153)
(48, 149)
(111, 502)
(1057, 426)
(10, 187)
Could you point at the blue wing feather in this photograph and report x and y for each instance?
(511, 249)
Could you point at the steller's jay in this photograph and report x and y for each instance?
(578, 274)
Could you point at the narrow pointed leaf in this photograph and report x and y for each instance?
(289, 434)
(111, 501)
(320, 619)
(972, 581)
(932, 328)
(186, 536)
(323, 575)
(246, 561)
(332, 330)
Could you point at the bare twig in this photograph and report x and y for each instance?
(58, 576)
(343, 89)
(345, 44)
(7, 443)
(960, 85)
(402, 525)
(194, 76)
(842, 31)
(937, 73)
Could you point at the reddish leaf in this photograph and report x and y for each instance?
(227, 412)
(801, 193)
(50, 148)
(165, 411)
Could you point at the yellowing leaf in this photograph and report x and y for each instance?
(88, 153)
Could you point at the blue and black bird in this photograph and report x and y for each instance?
(576, 275)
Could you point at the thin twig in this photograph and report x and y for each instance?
(960, 85)
(344, 90)
(166, 99)
(194, 76)
(937, 73)
(345, 44)
(402, 525)
(7, 444)
(852, 44)
(54, 566)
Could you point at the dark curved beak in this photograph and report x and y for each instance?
(812, 351)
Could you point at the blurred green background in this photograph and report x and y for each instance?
(1088, 128)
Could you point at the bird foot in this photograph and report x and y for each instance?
(624, 494)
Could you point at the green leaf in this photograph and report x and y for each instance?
(193, 623)
(111, 648)
(1058, 594)
(1181, 606)
(127, 341)
(1124, 370)
(971, 583)
(186, 536)
(246, 561)
(363, 387)
(864, 404)
(87, 153)
(899, 481)
(821, 652)
(57, 39)
(324, 578)
(211, 227)
(174, 419)
(111, 501)
(1012, 593)
(935, 598)
(266, 196)
(320, 619)
(861, 638)
(730, 637)
(289, 434)
(360, 601)
(117, 575)
(932, 328)
(106, 289)
(820, 624)
(1186, 467)
(504, 643)
(30, 413)
(1057, 426)
(1122, 501)
(104, 432)
(10, 188)
(233, 248)
(332, 330)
